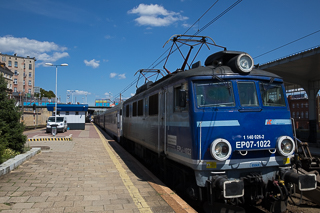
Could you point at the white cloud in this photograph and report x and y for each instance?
(155, 15)
(93, 63)
(112, 75)
(122, 76)
(43, 51)
(80, 92)
(108, 95)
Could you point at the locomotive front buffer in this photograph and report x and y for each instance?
(220, 187)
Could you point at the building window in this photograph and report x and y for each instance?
(4, 58)
(16, 72)
(24, 90)
(302, 114)
(301, 105)
(307, 114)
(298, 115)
(29, 83)
(24, 82)
(15, 89)
(293, 114)
(29, 74)
(16, 64)
(29, 91)
(15, 81)
(30, 66)
(9, 64)
(292, 106)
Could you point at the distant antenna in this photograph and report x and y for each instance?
(191, 41)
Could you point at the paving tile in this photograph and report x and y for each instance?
(63, 204)
(18, 199)
(94, 208)
(22, 205)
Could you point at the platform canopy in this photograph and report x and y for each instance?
(302, 69)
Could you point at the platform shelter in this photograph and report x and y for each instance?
(75, 113)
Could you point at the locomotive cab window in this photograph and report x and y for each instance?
(214, 94)
(272, 95)
(180, 98)
(140, 107)
(127, 110)
(248, 94)
(153, 104)
(134, 109)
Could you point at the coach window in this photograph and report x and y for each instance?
(248, 94)
(140, 107)
(67, 112)
(127, 110)
(153, 104)
(134, 109)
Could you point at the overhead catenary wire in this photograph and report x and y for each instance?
(287, 44)
(206, 26)
(199, 31)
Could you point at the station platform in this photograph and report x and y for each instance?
(90, 173)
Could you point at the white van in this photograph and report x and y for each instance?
(61, 122)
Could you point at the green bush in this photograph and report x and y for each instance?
(9, 153)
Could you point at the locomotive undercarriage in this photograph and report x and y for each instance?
(250, 189)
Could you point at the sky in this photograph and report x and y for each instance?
(106, 42)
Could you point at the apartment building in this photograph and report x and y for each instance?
(7, 74)
(23, 69)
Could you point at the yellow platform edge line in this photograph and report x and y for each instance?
(133, 191)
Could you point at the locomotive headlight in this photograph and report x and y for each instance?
(220, 149)
(245, 63)
(285, 145)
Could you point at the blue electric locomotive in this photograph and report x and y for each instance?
(220, 132)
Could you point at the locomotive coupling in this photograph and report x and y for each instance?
(230, 188)
(305, 182)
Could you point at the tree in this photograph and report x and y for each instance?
(11, 130)
(45, 93)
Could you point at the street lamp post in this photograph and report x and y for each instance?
(56, 65)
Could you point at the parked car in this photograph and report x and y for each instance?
(62, 124)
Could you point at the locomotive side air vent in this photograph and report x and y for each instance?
(144, 87)
(197, 64)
